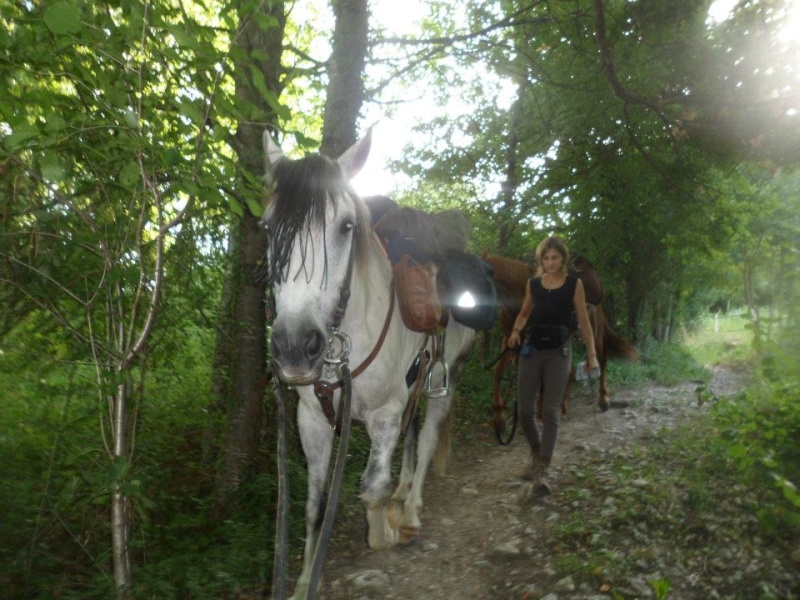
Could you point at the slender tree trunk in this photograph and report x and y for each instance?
(120, 515)
(511, 183)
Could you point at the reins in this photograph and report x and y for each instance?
(495, 361)
(280, 562)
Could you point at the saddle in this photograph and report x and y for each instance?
(432, 268)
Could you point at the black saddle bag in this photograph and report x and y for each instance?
(549, 337)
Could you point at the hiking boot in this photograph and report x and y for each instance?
(529, 472)
(541, 483)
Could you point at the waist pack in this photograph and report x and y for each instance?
(415, 284)
(549, 337)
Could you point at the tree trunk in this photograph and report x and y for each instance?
(246, 323)
(345, 90)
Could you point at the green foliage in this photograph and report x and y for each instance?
(738, 462)
(696, 487)
(110, 113)
(759, 439)
(634, 160)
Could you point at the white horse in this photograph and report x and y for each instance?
(321, 248)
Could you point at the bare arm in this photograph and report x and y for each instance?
(522, 317)
(579, 301)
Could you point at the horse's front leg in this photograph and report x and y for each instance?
(567, 390)
(316, 437)
(409, 461)
(499, 416)
(432, 438)
(603, 401)
(383, 517)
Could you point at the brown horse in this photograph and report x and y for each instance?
(510, 277)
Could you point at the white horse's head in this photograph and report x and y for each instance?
(318, 229)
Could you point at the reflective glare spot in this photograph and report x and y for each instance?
(466, 300)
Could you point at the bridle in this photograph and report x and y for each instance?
(339, 345)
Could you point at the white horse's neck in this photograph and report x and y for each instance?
(370, 298)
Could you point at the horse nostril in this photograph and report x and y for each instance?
(316, 344)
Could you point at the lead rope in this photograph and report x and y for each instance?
(336, 483)
(282, 517)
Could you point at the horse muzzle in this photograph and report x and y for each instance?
(298, 353)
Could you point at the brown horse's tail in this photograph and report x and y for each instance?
(617, 346)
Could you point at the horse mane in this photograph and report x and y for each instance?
(303, 189)
(508, 273)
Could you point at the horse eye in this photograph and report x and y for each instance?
(347, 227)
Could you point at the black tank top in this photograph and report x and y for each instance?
(553, 307)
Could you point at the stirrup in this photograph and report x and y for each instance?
(438, 357)
(439, 392)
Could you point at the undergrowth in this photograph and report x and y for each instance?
(188, 544)
(710, 486)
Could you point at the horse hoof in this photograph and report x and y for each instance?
(499, 422)
(604, 406)
(409, 536)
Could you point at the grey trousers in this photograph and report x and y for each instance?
(548, 369)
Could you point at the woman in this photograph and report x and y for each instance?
(546, 358)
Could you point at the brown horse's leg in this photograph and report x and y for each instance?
(603, 401)
(565, 399)
(499, 417)
(602, 358)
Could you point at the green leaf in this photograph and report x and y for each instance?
(131, 120)
(259, 82)
(54, 123)
(183, 38)
(172, 157)
(129, 174)
(21, 134)
(737, 451)
(63, 18)
(255, 207)
(236, 207)
(51, 167)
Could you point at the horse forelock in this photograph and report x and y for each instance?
(303, 190)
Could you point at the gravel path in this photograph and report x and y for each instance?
(480, 541)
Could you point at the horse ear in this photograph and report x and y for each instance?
(355, 157)
(272, 153)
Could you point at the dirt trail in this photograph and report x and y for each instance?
(478, 541)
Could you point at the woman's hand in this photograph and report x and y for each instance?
(513, 339)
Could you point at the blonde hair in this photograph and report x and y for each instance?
(552, 243)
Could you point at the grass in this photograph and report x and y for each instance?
(727, 341)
